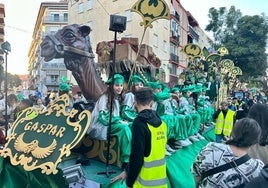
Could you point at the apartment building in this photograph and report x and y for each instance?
(2, 22)
(166, 37)
(47, 75)
(2, 36)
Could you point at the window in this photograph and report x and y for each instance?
(55, 17)
(155, 40)
(173, 49)
(128, 14)
(165, 46)
(65, 17)
(173, 69)
(54, 78)
(80, 7)
(89, 4)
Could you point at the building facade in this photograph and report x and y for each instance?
(166, 37)
(2, 37)
(46, 76)
(2, 22)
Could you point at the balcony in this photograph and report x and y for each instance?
(175, 37)
(193, 33)
(174, 58)
(55, 20)
(51, 82)
(55, 66)
(176, 16)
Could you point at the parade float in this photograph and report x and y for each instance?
(42, 150)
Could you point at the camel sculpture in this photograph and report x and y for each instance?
(73, 44)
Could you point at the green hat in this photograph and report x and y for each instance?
(64, 86)
(157, 85)
(118, 79)
(204, 89)
(175, 89)
(198, 88)
(137, 79)
(188, 88)
(20, 97)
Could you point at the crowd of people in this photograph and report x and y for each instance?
(152, 121)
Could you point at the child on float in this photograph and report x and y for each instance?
(162, 104)
(204, 107)
(190, 112)
(100, 117)
(128, 111)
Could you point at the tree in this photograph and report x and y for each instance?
(222, 23)
(247, 46)
(244, 36)
(13, 80)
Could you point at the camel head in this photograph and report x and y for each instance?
(71, 41)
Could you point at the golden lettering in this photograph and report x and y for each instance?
(49, 126)
(50, 129)
(60, 132)
(34, 127)
(28, 126)
(53, 130)
(41, 128)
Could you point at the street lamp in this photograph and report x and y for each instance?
(6, 48)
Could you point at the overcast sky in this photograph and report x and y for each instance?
(21, 16)
(199, 8)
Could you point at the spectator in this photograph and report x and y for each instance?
(231, 104)
(241, 112)
(261, 181)
(39, 107)
(246, 132)
(259, 112)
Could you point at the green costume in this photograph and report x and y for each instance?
(100, 118)
(128, 111)
(165, 107)
(190, 113)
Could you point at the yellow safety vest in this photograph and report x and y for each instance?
(153, 172)
(225, 126)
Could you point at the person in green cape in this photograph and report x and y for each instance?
(205, 108)
(128, 111)
(100, 117)
(190, 111)
(176, 123)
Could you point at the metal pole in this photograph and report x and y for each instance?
(108, 172)
(6, 117)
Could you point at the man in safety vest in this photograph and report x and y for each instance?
(147, 163)
(225, 119)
